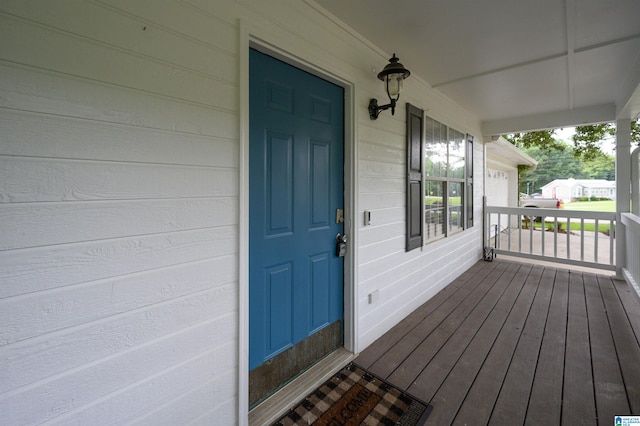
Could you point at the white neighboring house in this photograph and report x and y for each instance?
(571, 189)
(501, 177)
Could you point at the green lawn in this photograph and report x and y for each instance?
(592, 206)
(454, 201)
(575, 226)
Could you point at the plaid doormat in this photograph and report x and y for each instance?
(356, 397)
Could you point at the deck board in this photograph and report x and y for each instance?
(462, 373)
(611, 397)
(480, 400)
(631, 305)
(509, 343)
(625, 342)
(545, 401)
(578, 397)
(407, 329)
(513, 399)
(414, 364)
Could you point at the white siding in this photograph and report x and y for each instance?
(403, 280)
(501, 188)
(498, 188)
(118, 184)
(120, 169)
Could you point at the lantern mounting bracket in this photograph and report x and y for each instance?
(375, 110)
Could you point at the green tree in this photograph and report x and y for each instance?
(558, 160)
(601, 167)
(588, 139)
(542, 139)
(555, 164)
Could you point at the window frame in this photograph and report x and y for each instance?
(418, 181)
(464, 220)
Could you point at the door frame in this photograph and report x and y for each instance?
(297, 53)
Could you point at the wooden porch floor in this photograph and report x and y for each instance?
(510, 343)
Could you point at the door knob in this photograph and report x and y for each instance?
(341, 245)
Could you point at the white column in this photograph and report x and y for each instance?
(635, 182)
(623, 186)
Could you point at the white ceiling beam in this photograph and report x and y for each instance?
(570, 11)
(498, 70)
(538, 60)
(628, 95)
(608, 43)
(551, 120)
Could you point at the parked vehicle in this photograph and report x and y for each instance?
(540, 203)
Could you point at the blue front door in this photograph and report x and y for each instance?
(295, 187)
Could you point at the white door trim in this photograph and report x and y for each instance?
(264, 40)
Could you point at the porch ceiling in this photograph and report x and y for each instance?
(521, 65)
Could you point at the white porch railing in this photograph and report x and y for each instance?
(631, 268)
(631, 227)
(515, 231)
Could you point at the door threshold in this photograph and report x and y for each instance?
(286, 398)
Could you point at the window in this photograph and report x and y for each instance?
(439, 179)
(448, 180)
(469, 183)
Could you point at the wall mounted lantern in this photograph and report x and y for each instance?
(392, 75)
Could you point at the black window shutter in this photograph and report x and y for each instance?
(469, 181)
(415, 191)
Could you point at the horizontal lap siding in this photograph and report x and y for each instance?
(117, 142)
(32, 180)
(76, 221)
(119, 211)
(23, 88)
(403, 280)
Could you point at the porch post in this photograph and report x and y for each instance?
(623, 186)
(635, 182)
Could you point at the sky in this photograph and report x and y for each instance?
(566, 134)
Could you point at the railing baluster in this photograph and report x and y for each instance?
(530, 234)
(509, 233)
(595, 243)
(555, 237)
(498, 230)
(612, 232)
(520, 234)
(542, 224)
(568, 237)
(582, 239)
